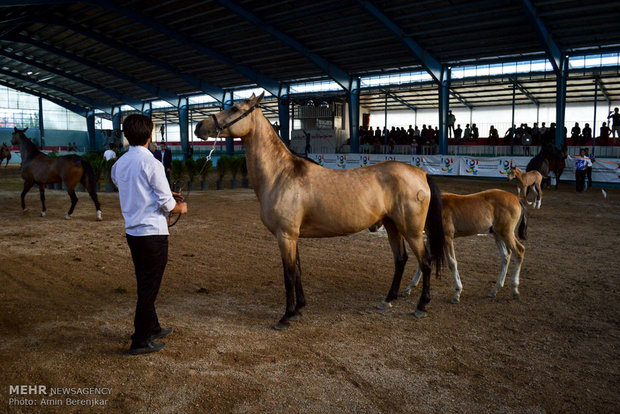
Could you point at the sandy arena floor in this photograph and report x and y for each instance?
(67, 294)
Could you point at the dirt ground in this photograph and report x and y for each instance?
(67, 295)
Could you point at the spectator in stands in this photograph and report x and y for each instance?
(575, 134)
(376, 144)
(416, 133)
(457, 134)
(615, 129)
(493, 136)
(410, 132)
(543, 130)
(604, 133)
(526, 140)
(474, 132)
(109, 154)
(535, 133)
(378, 132)
(467, 133)
(586, 134)
(450, 123)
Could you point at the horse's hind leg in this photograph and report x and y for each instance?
(519, 253)
(452, 264)
(299, 291)
(74, 201)
(288, 251)
(400, 259)
(92, 192)
(42, 194)
(504, 254)
(27, 186)
(416, 242)
(538, 195)
(414, 282)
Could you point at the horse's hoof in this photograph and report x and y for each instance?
(99, 218)
(492, 294)
(516, 295)
(67, 217)
(280, 326)
(42, 214)
(406, 293)
(455, 301)
(419, 314)
(384, 305)
(296, 316)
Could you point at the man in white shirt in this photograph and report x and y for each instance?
(146, 201)
(109, 154)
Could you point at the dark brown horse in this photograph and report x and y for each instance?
(38, 168)
(549, 159)
(5, 154)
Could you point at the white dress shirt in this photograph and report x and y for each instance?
(144, 193)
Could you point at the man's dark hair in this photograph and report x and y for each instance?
(137, 129)
(111, 146)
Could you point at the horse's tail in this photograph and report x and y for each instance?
(523, 222)
(434, 226)
(89, 182)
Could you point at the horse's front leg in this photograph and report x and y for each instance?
(299, 291)
(27, 186)
(399, 250)
(74, 201)
(42, 194)
(288, 250)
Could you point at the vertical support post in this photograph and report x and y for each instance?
(165, 137)
(116, 118)
(41, 126)
(512, 125)
(183, 109)
(594, 122)
(444, 106)
(354, 115)
(385, 130)
(90, 126)
(560, 102)
(230, 142)
(149, 109)
(283, 115)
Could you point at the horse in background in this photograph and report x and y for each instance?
(493, 211)
(525, 182)
(301, 199)
(5, 153)
(38, 168)
(549, 159)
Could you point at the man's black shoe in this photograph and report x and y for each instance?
(147, 348)
(162, 333)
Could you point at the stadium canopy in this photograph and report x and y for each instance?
(107, 56)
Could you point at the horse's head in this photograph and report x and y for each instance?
(18, 134)
(513, 172)
(231, 122)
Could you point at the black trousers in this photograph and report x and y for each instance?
(589, 175)
(580, 178)
(150, 255)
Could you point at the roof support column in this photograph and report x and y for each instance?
(512, 123)
(560, 102)
(283, 114)
(594, 122)
(90, 126)
(41, 126)
(444, 106)
(230, 142)
(354, 115)
(116, 118)
(147, 109)
(183, 109)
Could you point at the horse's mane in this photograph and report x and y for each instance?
(30, 147)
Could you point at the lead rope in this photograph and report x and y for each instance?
(200, 173)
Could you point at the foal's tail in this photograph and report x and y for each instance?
(523, 222)
(89, 182)
(434, 226)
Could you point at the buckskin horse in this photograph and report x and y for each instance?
(492, 211)
(41, 169)
(5, 153)
(301, 199)
(525, 182)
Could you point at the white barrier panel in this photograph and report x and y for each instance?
(464, 166)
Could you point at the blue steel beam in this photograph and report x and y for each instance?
(183, 110)
(6, 3)
(444, 107)
(525, 92)
(354, 115)
(339, 75)
(104, 106)
(261, 80)
(197, 83)
(284, 104)
(429, 63)
(133, 102)
(151, 89)
(71, 107)
(461, 100)
(399, 99)
(552, 50)
(598, 80)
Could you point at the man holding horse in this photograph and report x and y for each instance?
(146, 201)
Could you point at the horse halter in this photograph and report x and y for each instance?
(219, 128)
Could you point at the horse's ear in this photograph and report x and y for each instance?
(15, 128)
(252, 97)
(260, 98)
(25, 129)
